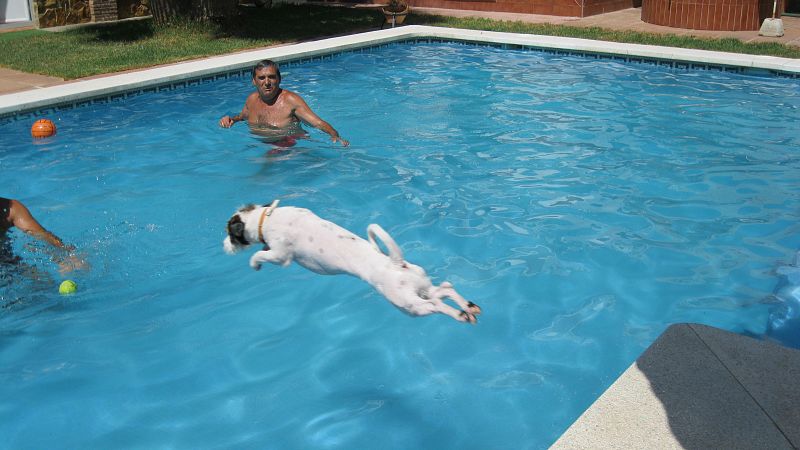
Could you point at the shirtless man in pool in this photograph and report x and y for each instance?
(273, 107)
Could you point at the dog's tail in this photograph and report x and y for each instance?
(395, 254)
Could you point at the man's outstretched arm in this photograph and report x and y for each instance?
(304, 113)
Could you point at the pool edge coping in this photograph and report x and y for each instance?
(80, 90)
(696, 386)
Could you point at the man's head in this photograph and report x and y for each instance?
(267, 79)
(267, 63)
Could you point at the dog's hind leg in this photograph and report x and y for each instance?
(438, 306)
(461, 316)
(446, 290)
(271, 256)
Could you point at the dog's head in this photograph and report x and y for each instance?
(237, 233)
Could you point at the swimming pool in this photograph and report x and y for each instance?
(584, 204)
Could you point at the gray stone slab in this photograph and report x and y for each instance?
(769, 372)
(678, 394)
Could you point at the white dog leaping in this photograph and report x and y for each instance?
(296, 234)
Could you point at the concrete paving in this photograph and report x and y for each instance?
(214, 67)
(629, 19)
(16, 81)
(697, 387)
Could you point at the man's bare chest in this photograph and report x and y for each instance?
(277, 115)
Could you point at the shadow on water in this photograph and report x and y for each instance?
(784, 319)
(25, 295)
(22, 284)
(26, 292)
(25, 284)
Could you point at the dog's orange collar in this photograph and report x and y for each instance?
(267, 211)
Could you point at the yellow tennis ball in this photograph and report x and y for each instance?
(67, 287)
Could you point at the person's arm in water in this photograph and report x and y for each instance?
(22, 218)
(303, 112)
(228, 121)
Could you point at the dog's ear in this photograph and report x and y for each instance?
(236, 230)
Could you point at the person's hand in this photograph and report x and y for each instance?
(70, 263)
(344, 141)
(226, 122)
(70, 260)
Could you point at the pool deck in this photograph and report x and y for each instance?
(112, 86)
(695, 387)
(628, 19)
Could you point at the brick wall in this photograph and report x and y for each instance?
(728, 15)
(569, 8)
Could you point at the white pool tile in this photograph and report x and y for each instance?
(104, 86)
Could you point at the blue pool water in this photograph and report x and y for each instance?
(586, 205)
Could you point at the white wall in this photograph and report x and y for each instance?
(14, 11)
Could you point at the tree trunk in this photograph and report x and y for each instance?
(165, 10)
(209, 9)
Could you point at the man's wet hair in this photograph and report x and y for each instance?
(267, 63)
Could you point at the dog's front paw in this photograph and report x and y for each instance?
(254, 263)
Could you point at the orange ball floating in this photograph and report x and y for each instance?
(43, 128)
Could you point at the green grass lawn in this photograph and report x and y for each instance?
(131, 45)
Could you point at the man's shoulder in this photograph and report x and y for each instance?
(291, 97)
